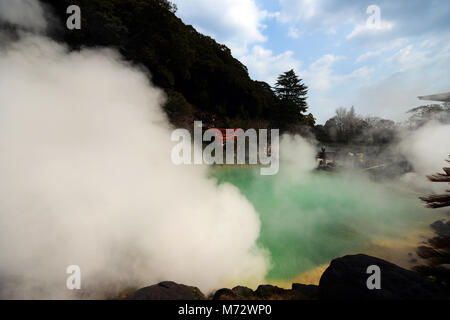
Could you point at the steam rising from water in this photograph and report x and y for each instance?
(27, 14)
(86, 179)
(309, 218)
(426, 148)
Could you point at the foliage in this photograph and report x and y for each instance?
(422, 114)
(196, 72)
(348, 127)
(291, 104)
(437, 251)
(345, 126)
(290, 89)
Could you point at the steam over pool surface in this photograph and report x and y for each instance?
(310, 218)
(87, 180)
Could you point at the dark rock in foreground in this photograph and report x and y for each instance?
(310, 291)
(167, 290)
(227, 294)
(244, 292)
(346, 278)
(268, 292)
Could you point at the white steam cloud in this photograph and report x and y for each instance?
(426, 149)
(27, 14)
(86, 179)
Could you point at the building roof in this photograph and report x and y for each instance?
(444, 97)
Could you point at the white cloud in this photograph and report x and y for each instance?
(407, 73)
(266, 66)
(386, 89)
(237, 23)
(407, 58)
(387, 84)
(368, 30)
(294, 10)
(329, 90)
(319, 73)
(369, 54)
(293, 33)
(362, 72)
(324, 15)
(383, 49)
(331, 30)
(430, 42)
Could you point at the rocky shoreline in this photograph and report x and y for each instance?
(344, 279)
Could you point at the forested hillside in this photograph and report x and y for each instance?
(200, 76)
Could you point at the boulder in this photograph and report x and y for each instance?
(269, 292)
(237, 293)
(346, 278)
(244, 292)
(225, 294)
(308, 290)
(167, 290)
(263, 292)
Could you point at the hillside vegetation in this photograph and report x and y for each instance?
(200, 76)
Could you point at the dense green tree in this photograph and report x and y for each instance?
(200, 76)
(291, 95)
(290, 89)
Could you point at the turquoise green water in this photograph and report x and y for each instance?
(310, 218)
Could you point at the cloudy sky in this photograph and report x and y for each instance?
(380, 66)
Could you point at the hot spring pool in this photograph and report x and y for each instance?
(309, 218)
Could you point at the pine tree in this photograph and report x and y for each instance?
(290, 89)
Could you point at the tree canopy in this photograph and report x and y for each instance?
(422, 114)
(291, 104)
(290, 89)
(200, 76)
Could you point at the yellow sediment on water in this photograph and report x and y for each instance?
(309, 277)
